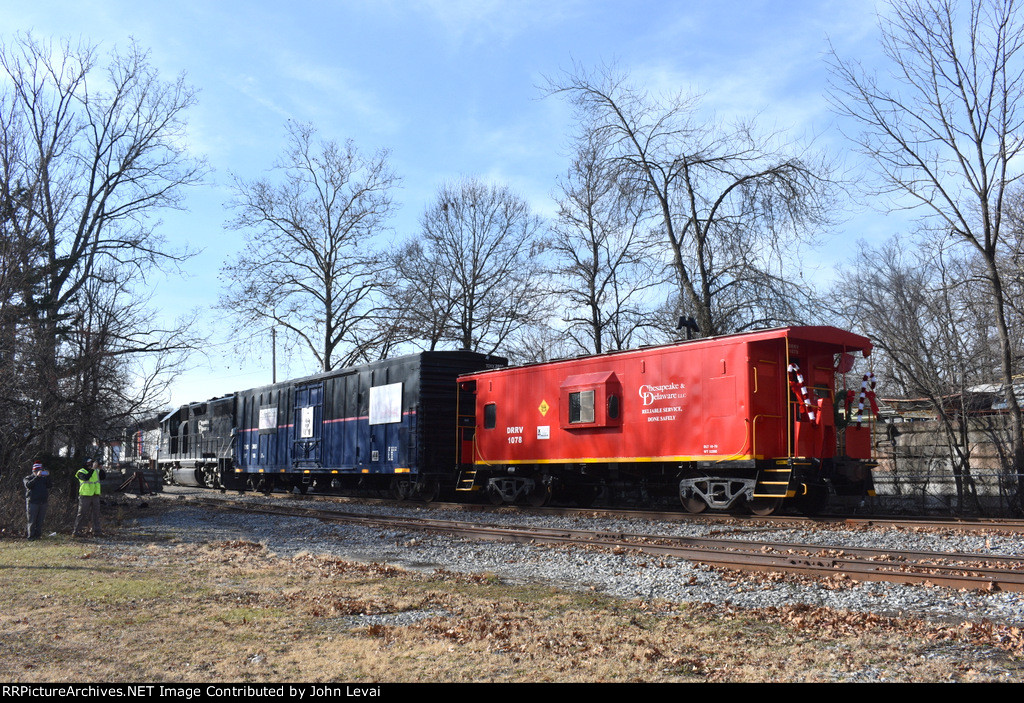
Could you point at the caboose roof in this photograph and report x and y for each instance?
(841, 341)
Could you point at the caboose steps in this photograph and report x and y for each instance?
(467, 481)
(773, 482)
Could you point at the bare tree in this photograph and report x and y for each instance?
(471, 277)
(733, 204)
(921, 309)
(1012, 264)
(91, 150)
(309, 265)
(600, 243)
(22, 416)
(425, 300)
(944, 132)
(119, 362)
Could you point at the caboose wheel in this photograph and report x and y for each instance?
(539, 496)
(693, 504)
(428, 490)
(494, 495)
(584, 496)
(763, 507)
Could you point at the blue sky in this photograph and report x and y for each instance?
(452, 88)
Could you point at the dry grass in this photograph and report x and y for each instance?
(60, 511)
(149, 609)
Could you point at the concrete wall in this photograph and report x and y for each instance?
(916, 469)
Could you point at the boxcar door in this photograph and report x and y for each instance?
(307, 447)
(385, 424)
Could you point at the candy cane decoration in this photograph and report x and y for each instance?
(800, 388)
(867, 390)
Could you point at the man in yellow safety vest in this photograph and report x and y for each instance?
(89, 497)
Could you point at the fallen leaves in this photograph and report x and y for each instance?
(825, 621)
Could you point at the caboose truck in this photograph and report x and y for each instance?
(746, 420)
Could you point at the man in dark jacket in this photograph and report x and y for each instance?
(37, 494)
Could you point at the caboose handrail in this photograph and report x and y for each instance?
(746, 442)
(753, 431)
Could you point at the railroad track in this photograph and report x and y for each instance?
(929, 523)
(959, 524)
(990, 572)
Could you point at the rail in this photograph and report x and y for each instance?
(991, 572)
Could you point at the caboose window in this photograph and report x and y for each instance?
(589, 401)
(490, 416)
(581, 407)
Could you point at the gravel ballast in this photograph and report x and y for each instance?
(623, 575)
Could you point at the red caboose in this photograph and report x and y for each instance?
(746, 419)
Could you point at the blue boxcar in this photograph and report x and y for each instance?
(386, 424)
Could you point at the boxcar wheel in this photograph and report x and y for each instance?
(260, 484)
(399, 489)
(211, 477)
